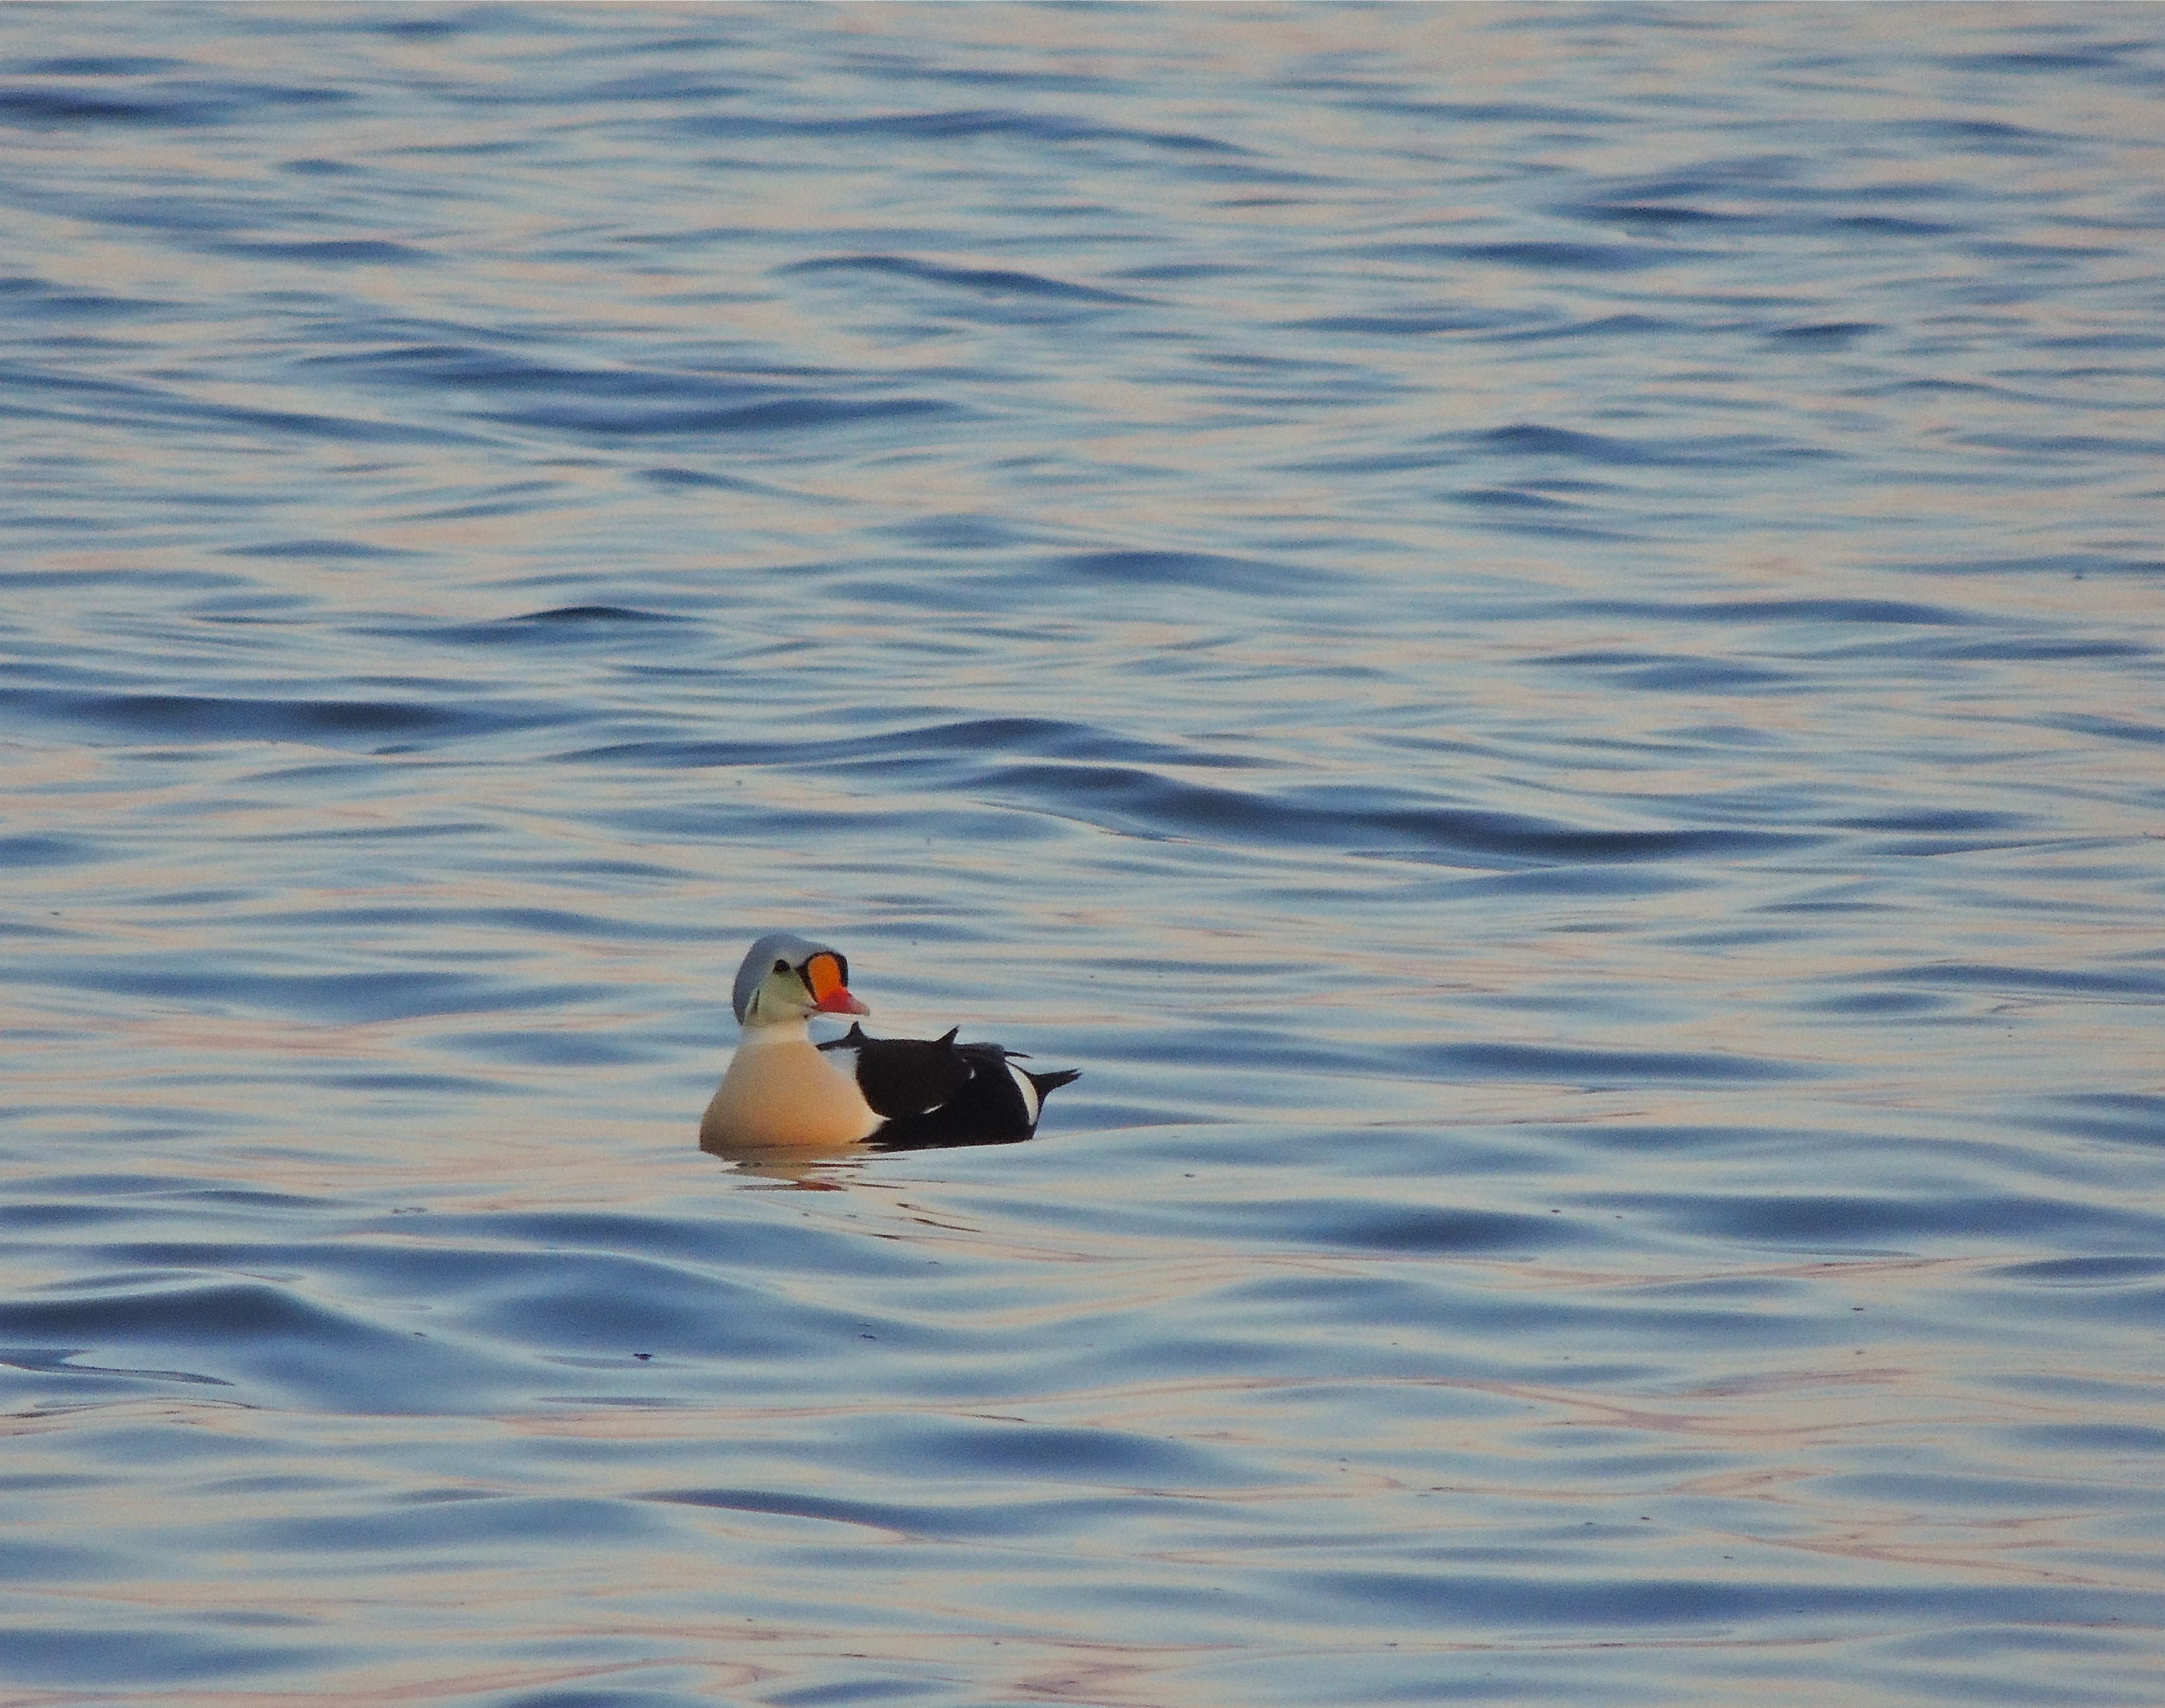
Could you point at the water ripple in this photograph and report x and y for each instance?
(1530, 635)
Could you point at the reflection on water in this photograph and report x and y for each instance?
(815, 1168)
(1532, 634)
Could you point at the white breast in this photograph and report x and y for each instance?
(780, 1091)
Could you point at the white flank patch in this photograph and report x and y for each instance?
(1029, 1097)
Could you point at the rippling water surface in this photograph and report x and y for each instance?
(1534, 635)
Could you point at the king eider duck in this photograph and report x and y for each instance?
(782, 1091)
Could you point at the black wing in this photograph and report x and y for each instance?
(939, 1093)
(906, 1075)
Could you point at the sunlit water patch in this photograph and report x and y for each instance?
(1532, 635)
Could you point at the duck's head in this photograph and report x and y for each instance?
(787, 977)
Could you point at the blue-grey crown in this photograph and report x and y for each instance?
(759, 961)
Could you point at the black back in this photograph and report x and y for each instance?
(938, 1093)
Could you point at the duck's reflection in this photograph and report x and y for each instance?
(827, 1168)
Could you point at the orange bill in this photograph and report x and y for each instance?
(823, 977)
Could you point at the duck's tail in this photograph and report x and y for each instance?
(1052, 1081)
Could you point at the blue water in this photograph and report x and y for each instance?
(1535, 636)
